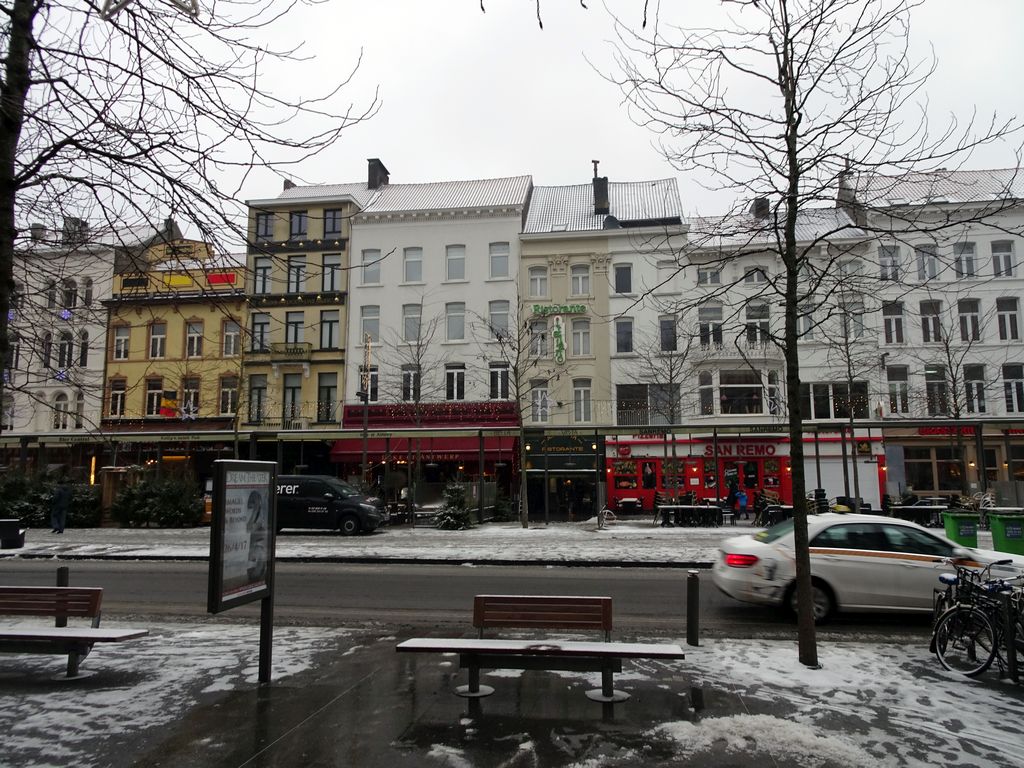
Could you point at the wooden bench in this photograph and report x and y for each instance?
(58, 603)
(566, 613)
(12, 535)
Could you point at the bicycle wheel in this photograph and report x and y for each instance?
(965, 640)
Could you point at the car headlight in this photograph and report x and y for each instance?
(770, 567)
(369, 507)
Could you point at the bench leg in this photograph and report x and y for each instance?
(73, 659)
(607, 692)
(474, 690)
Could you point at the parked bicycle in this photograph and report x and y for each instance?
(968, 620)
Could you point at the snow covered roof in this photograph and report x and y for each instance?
(941, 186)
(359, 191)
(571, 208)
(742, 230)
(507, 192)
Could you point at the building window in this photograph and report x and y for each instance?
(580, 338)
(410, 383)
(87, 292)
(83, 348)
(298, 225)
(455, 321)
(936, 391)
(1006, 318)
(774, 394)
(805, 322)
(757, 323)
(899, 388)
(581, 406)
(709, 276)
(499, 381)
(579, 280)
(969, 311)
(291, 404)
(232, 335)
(60, 411)
(499, 253)
(1013, 388)
(369, 323)
(296, 274)
(157, 340)
(623, 274)
(852, 319)
(1002, 258)
(411, 322)
(889, 262)
(498, 312)
(740, 391)
(332, 223)
(327, 397)
(330, 280)
(229, 396)
(709, 324)
(412, 265)
(260, 332)
(330, 337)
(455, 262)
(293, 327)
(265, 226)
(892, 322)
(931, 321)
(964, 260)
(194, 339)
(51, 294)
(667, 332)
(368, 382)
(47, 349)
(154, 396)
(539, 403)
(118, 390)
(538, 282)
(834, 401)
(455, 381)
(257, 398)
(974, 386)
(371, 266)
(755, 276)
(189, 403)
(539, 338)
(69, 294)
(927, 262)
(65, 351)
(706, 390)
(261, 275)
(624, 336)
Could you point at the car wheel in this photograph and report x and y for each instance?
(349, 526)
(822, 599)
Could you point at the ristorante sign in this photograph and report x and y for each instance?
(559, 309)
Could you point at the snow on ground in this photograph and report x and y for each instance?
(869, 705)
(633, 542)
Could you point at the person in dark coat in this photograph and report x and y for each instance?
(59, 505)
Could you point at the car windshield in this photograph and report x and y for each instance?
(777, 531)
(342, 489)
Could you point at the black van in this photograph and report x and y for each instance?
(322, 501)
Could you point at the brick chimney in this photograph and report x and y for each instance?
(288, 184)
(38, 232)
(75, 231)
(601, 204)
(760, 208)
(846, 197)
(376, 174)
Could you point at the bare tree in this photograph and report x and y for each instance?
(789, 100)
(149, 114)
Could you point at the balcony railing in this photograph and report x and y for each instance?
(741, 351)
(299, 351)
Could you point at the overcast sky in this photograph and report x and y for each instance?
(467, 94)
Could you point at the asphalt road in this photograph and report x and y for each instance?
(647, 601)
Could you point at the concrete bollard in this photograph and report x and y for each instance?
(62, 581)
(693, 608)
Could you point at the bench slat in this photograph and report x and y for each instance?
(543, 612)
(84, 634)
(50, 601)
(542, 648)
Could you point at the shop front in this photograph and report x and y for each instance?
(563, 476)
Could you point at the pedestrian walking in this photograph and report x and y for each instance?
(59, 504)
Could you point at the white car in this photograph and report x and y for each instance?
(858, 563)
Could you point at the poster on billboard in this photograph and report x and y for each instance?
(242, 533)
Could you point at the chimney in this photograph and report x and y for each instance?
(601, 206)
(760, 208)
(846, 197)
(288, 184)
(376, 174)
(169, 228)
(75, 231)
(38, 232)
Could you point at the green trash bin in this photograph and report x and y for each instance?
(962, 527)
(1007, 531)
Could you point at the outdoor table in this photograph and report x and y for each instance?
(691, 515)
(922, 514)
(630, 504)
(776, 513)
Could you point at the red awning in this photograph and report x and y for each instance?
(437, 448)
